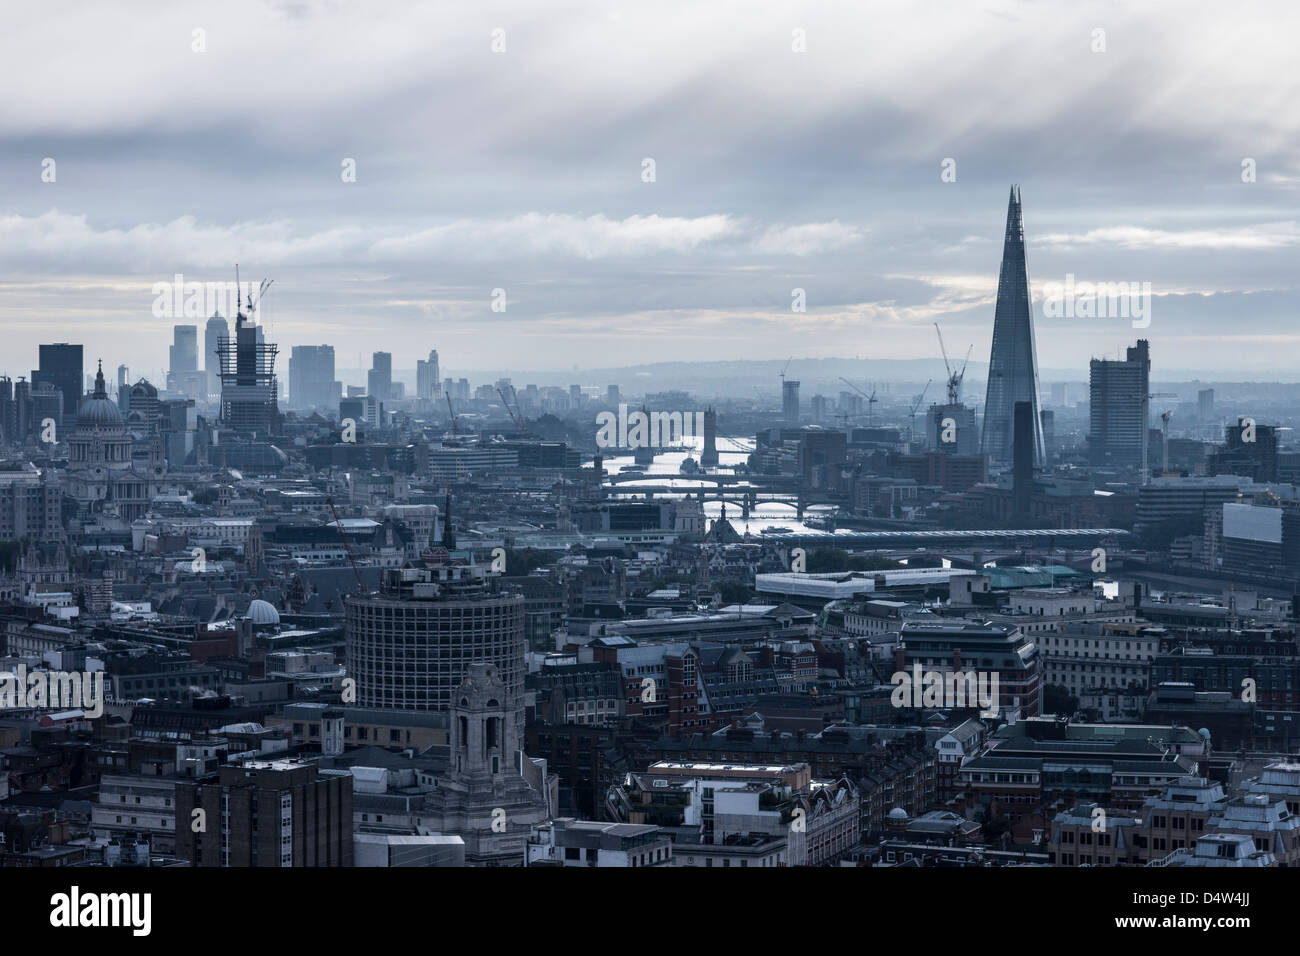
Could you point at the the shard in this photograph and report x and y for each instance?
(1013, 361)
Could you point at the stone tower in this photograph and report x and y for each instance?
(492, 794)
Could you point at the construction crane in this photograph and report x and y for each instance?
(917, 404)
(783, 371)
(1146, 421)
(871, 399)
(451, 412)
(361, 588)
(519, 423)
(954, 378)
(261, 291)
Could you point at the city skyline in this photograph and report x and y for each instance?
(1134, 166)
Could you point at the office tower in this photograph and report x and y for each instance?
(1047, 417)
(280, 812)
(1118, 393)
(216, 329)
(426, 376)
(379, 381)
(460, 605)
(47, 403)
(1013, 361)
(1205, 404)
(790, 402)
(183, 373)
(1023, 448)
(61, 366)
(612, 396)
(246, 367)
(123, 376)
(709, 457)
(1250, 451)
(311, 377)
(575, 396)
(951, 429)
(817, 408)
(184, 353)
(1060, 394)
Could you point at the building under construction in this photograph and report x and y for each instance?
(246, 367)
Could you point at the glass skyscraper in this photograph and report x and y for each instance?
(1013, 361)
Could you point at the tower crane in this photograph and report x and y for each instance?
(451, 412)
(361, 588)
(871, 399)
(917, 404)
(954, 378)
(519, 423)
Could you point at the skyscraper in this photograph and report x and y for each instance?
(184, 354)
(379, 382)
(311, 377)
(216, 330)
(790, 402)
(249, 395)
(61, 366)
(1013, 360)
(426, 376)
(1117, 412)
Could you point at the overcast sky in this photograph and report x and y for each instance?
(773, 170)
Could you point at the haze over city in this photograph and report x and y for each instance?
(773, 170)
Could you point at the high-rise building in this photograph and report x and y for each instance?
(1205, 404)
(183, 373)
(311, 377)
(184, 353)
(249, 394)
(214, 331)
(790, 402)
(61, 366)
(1118, 393)
(1048, 419)
(612, 397)
(379, 381)
(1013, 359)
(426, 376)
(817, 408)
(951, 429)
(1250, 450)
(462, 618)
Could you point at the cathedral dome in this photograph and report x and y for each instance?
(97, 410)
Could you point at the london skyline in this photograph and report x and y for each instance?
(814, 169)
